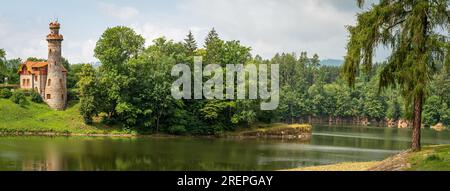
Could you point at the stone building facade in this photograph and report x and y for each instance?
(47, 78)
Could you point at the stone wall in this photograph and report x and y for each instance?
(24, 79)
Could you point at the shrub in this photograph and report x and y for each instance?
(72, 94)
(108, 121)
(177, 130)
(36, 97)
(5, 93)
(18, 97)
(433, 157)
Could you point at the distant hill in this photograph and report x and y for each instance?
(96, 64)
(331, 62)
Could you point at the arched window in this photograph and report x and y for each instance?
(49, 82)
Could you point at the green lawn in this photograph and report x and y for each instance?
(39, 118)
(431, 158)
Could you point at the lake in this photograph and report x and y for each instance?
(327, 145)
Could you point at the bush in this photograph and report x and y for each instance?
(36, 97)
(72, 94)
(5, 93)
(177, 130)
(433, 157)
(18, 97)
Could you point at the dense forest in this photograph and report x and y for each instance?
(131, 87)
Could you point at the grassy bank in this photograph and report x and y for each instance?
(40, 119)
(431, 158)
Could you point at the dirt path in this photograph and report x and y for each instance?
(397, 162)
(347, 166)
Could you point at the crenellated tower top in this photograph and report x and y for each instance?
(54, 32)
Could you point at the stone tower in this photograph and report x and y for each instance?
(55, 90)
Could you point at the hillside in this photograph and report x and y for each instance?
(38, 118)
(331, 62)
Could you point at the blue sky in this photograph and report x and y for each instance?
(268, 26)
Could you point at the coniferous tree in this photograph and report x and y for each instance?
(410, 29)
(190, 44)
(214, 47)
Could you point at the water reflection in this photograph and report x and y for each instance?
(327, 145)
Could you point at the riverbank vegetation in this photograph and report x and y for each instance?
(35, 118)
(132, 90)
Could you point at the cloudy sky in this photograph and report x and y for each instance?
(268, 26)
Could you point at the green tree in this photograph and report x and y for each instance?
(88, 93)
(34, 59)
(12, 65)
(2, 64)
(152, 97)
(234, 53)
(36, 97)
(432, 110)
(409, 28)
(66, 64)
(8, 68)
(190, 44)
(214, 48)
(114, 48)
(73, 75)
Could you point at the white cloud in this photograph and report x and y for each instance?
(79, 51)
(151, 31)
(32, 43)
(118, 12)
(270, 26)
(21, 44)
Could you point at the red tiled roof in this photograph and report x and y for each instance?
(33, 64)
(55, 36)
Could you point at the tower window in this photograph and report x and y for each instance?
(49, 82)
(49, 96)
(35, 78)
(62, 96)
